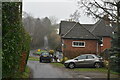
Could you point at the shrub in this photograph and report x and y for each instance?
(106, 63)
(15, 40)
(65, 59)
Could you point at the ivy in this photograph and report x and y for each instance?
(14, 38)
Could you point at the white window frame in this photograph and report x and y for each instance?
(78, 45)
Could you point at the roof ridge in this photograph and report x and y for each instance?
(88, 31)
(70, 29)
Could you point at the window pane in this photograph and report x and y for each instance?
(82, 44)
(79, 43)
(75, 43)
(82, 57)
(90, 57)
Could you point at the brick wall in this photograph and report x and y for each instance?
(106, 43)
(71, 52)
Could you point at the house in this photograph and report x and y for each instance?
(79, 38)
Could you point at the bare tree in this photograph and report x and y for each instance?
(75, 16)
(53, 19)
(99, 8)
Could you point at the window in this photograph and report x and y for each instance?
(90, 57)
(78, 44)
(82, 57)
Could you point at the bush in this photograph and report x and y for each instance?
(65, 59)
(106, 63)
(15, 40)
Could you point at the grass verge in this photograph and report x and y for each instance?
(103, 70)
(27, 73)
(33, 58)
(57, 64)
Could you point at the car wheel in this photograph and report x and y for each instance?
(97, 65)
(71, 65)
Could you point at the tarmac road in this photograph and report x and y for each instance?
(45, 70)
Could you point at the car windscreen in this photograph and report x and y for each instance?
(45, 53)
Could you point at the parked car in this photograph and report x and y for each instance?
(45, 57)
(86, 60)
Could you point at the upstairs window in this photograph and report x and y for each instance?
(78, 44)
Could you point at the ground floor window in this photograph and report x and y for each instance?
(78, 44)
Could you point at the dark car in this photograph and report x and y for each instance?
(45, 57)
(86, 60)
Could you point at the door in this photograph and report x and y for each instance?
(89, 60)
(81, 61)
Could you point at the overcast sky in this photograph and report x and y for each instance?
(58, 8)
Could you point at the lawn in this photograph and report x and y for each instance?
(57, 64)
(33, 58)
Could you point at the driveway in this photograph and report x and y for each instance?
(46, 70)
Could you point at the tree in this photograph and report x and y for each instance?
(75, 16)
(39, 28)
(53, 20)
(99, 8)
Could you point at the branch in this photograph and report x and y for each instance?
(114, 16)
(110, 3)
(90, 11)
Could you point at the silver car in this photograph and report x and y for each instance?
(86, 60)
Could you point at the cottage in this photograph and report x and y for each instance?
(79, 38)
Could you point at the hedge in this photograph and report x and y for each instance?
(15, 40)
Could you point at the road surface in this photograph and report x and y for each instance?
(46, 70)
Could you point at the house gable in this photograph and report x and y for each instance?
(65, 26)
(78, 31)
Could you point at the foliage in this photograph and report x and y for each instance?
(51, 52)
(26, 73)
(0, 40)
(39, 28)
(106, 63)
(65, 59)
(15, 39)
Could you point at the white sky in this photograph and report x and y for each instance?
(58, 8)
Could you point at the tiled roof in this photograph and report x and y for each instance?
(79, 32)
(70, 29)
(101, 29)
(88, 26)
(65, 26)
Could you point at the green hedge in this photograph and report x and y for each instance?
(14, 38)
